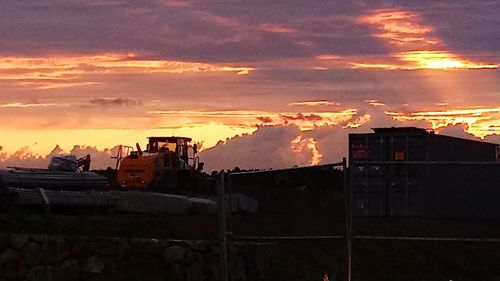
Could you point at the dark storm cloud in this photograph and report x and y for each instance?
(206, 31)
(464, 26)
(323, 26)
(219, 31)
(265, 119)
(114, 102)
(300, 116)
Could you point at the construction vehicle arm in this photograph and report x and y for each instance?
(84, 162)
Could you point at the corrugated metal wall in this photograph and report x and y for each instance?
(454, 191)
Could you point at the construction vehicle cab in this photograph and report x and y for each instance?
(179, 145)
(167, 165)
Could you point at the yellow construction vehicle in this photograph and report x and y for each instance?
(168, 164)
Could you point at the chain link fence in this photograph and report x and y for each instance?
(346, 223)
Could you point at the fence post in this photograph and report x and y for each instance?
(229, 218)
(221, 210)
(348, 216)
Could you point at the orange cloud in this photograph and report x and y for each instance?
(70, 71)
(310, 120)
(177, 3)
(238, 70)
(415, 46)
(438, 60)
(400, 27)
(328, 57)
(299, 144)
(417, 60)
(246, 118)
(480, 121)
(374, 102)
(315, 103)
(358, 122)
(276, 28)
(26, 105)
(442, 104)
(319, 68)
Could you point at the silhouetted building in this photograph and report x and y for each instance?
(408, 171)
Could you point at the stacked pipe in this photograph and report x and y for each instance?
(38, 178)
(66, 198)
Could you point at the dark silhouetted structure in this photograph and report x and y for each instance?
(408, 171)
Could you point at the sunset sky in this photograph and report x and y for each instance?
(268, 83)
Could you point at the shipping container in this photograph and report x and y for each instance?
(413, 172)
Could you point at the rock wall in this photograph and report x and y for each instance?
(54, 258)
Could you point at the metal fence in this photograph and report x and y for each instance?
(392, 187)
(358, 189)
(227, 236)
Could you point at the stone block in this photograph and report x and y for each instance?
(174, 254)
(36, 273)
(195, 271)
(32, 253)
(18, 241)
(4, 242)
(145, 247)
(82, 248)
(68, 270)
(94, 265)
(12, 265)
(54, 250)
(107, 248)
